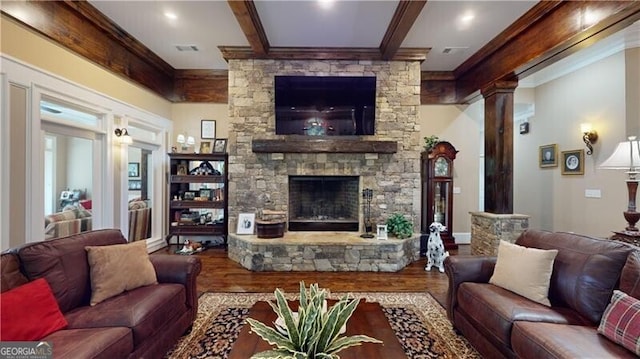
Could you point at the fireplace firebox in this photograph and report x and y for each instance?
(324, 203)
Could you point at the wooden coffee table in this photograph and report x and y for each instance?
(367, 319)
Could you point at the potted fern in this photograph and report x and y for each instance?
(311, 333)
(399, 226)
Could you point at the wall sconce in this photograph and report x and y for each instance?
(123, 135)
(589, 136)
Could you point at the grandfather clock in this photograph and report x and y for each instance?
(437, 192)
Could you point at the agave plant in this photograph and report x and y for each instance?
(314, 333)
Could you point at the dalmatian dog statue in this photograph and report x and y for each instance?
(435, 248)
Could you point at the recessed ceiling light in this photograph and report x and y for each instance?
(326, 4)
(170, 15)
(467, 18)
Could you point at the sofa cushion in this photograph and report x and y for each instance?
(621, 321)
(117, 268)
(534, 268)
(29, 312)
(494, 309)
(10, 275)
(144, 310)
(630, 278)
(95, 343)
(63, 263)
(549, 340)
(585, 271)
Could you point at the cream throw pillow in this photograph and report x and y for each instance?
(117, 268)
(525, 271)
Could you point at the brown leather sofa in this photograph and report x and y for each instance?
(142, 323)
(502, 324)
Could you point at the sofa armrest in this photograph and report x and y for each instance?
(179, 269)
(461, 269)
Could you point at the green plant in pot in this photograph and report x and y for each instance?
(399, 226)
(430, 142)
(311, 333)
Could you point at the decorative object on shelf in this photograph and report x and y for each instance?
(627, 157)
(189, 195)
(205, 147)
(220, 145)
(573, 162)
(399, 226)
(182, 170)
(207, 129)
(430, 142)
(437, 192)
(312, 332)
(382, 231)
(134, 169)
(205, 193)
(589, 136)
(367, 196)
(246, 223)
(185, 142)
(205, 168)
(123, 135)
(548, 156)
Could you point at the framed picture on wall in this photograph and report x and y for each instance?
(134, 169)
(135, 185)
(246, 223)
(548, 156)
(573, 162)
(208, 129)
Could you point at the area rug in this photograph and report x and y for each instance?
(420, 323)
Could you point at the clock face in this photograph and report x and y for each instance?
(441, 167)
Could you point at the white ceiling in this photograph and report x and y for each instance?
(305, 23)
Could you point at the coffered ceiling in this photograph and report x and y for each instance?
(451, 31)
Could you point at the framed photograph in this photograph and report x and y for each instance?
(205, 193)
(220, 145)
(205, 147)
(573, 162)
(208, 129)
(548, 156)
(189, 195)
(182, 170)
(135, 185)
(382, 231)
(246, 223)
(134, 169)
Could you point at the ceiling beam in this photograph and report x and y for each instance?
(547, 33)
(210, 86)
(322, 53)
(247, 15)
(403, 19)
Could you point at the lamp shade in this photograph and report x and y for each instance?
(191, 141)
(180, 138)
(625, 157)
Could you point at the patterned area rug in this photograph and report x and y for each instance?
(420, 323)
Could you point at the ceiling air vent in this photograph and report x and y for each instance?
(187, 48)
(452, 50)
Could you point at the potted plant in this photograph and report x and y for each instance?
(399, 226)
(313, 332)
(430, 142)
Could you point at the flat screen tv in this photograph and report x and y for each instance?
(325, 105)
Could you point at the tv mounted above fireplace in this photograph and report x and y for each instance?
(325, 105)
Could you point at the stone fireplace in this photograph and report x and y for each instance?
(323, 203)
(259, 180)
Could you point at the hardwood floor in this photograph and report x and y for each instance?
(220, 274)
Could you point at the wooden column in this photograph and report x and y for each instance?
(498, 146)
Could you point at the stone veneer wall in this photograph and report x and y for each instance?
(487, 229)
(260, 180)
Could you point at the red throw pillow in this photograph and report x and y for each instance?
(29, 312)
(621, 321)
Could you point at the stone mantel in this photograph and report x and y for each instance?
(323, 145)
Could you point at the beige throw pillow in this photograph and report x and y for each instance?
(117, 268)
(525, 271)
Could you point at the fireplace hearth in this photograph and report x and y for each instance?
(323, 203)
